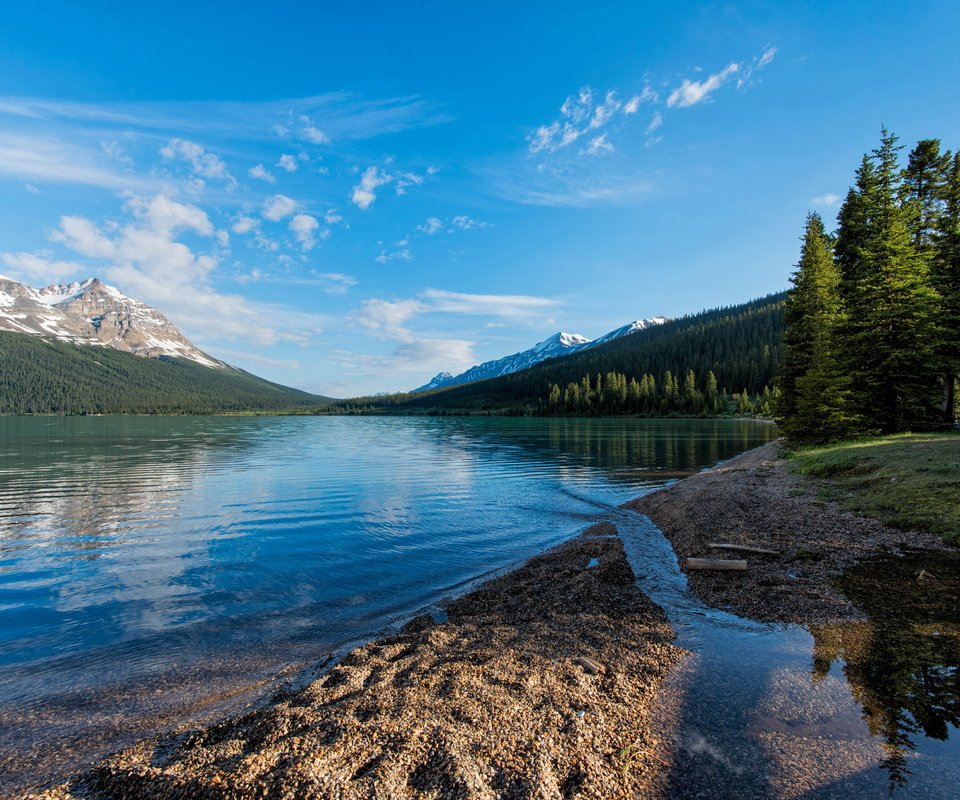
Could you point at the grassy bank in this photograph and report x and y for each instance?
(909, 481)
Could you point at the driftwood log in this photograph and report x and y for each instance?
(725, 564)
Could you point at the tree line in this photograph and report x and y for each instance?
(613, 394)
(739, 346)
(43, 376)
(872, 339)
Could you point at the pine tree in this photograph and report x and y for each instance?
(945, 271)
(922, 192)
(889, 330)
(811, 315)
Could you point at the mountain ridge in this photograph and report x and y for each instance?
(93, 313)
(555, 346)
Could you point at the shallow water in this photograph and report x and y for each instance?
(866, 709)
(155, 570)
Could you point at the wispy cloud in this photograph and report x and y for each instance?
(598, 146)
(40, 158)
(39, 266)
(343, 116)
(461, 222)
(513, 306)
(827, 200)
(689, 93)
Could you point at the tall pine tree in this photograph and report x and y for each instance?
(945, 270)
(813, 391)
(889, 331)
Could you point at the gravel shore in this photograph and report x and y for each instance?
(754, 499)
(539, 684)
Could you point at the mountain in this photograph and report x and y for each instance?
(86, 348)
(51, 375)
(92, 313)
(560, 344)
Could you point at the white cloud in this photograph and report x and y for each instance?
(339, 283)
(167, 216)
(202, 163)
(598, 146)
(431, 226)
(31, 189)
(689, 93)
(603, 112)
(648, 95)
(827, 200)
(582, 114)
(403, 254)
(314, 135)
(43, 269)
(655, 123)
(244, 224)
(332, 217)
(429, 356)
(261, 173)
(288, 163)
(279, 206)
(304, 228)
(145, 259)
(466, 223)
(766, 56)
(364, 193)
(388, 318)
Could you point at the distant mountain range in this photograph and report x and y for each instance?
(560, 344)
(92, 313)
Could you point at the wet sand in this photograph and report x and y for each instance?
(754, 499)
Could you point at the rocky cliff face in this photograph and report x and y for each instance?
(93, 313)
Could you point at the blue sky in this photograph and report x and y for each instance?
(351, 200)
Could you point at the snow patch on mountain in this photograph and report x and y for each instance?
(91, 312)
(560, 344)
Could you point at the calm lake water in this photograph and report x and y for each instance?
(154, 570)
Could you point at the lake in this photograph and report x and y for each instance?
(157, 570)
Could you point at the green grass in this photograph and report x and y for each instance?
(909, 481)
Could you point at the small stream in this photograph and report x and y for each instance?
(866, 709)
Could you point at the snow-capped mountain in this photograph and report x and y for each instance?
(560, 344)
(92, 313)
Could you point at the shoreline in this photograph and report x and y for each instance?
(550, 679)
(540, 682)
(754, 500)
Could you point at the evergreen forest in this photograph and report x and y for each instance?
(872, 340)
(43, 376)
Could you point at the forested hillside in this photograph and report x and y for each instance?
(706, 363)
(42, 376)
